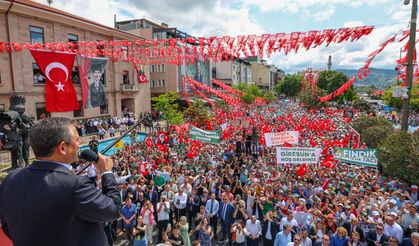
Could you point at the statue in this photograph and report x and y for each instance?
(15, 125)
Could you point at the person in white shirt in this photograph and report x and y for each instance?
(253, 231)
(163, 210)
(240, 230)
(305, 240)
(180, 204)
(289, 220)
(211, 210)
(392, 229)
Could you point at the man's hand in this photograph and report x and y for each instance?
(103, 164)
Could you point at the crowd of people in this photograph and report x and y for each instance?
(177, 191)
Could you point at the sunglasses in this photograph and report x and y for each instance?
(379, 229)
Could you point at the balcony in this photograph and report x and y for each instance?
(128, 87)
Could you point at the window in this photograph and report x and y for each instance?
(2, 108)
(41, 111)
(36, 34)
(164, 83)
(73, 39)
(159, 83)
(80, 111)
(75, 76)
(0, 77)
(104, 109)
(38, 77)
(125, 77)
(162, 67)
(152, 68)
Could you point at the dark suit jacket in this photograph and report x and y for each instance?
(97, 96)
(372, 237)
(154, 199)
(45, 204)
(348, 227)
(229, 212)
(274, 228)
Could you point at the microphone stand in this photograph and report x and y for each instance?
(146, 117)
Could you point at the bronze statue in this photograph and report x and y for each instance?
(15, 125)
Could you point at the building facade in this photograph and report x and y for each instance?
(27, 21)
(232, 72)
(166, 77)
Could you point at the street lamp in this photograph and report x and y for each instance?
(409, 69)
(50, 2)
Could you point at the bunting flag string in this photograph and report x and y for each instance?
(188, 50)
(362, 73)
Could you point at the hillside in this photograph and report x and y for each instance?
(380, 78)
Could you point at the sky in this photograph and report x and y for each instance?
(205, 18)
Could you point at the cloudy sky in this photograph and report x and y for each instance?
(244, 17)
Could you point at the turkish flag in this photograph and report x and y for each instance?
(302, 170)
(60, 94)
(140, 75)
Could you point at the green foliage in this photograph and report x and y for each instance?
(166, 103)
(362, 105)
(198, 114)
(290, 85)
(310, 97)
(350, 94)
(331, 80)
(375, 135)
(269, 96)
(250, 92)
(399, 156)
(377, 124)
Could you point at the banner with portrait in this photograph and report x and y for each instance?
(92, 76)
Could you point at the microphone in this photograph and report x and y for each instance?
(89, 155)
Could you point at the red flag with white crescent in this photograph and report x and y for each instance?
(60, 94)
(140, 75)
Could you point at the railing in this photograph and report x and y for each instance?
(128, 87)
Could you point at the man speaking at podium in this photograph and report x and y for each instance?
(46, 204)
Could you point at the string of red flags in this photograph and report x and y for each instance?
(188, 50)
(362, 73)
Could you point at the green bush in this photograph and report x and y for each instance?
(399, 156)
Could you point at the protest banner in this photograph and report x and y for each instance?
(279, 138)
(204, 135)
(297, 155)
(364, 157)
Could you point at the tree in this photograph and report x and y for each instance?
(166, 103)
(311, 97)
(250, 92)
(373, 130)
(268, 96)
(363, 122)
(399, 156)
(331, 80)
(198, 114)
(290, 85)
(375, 135)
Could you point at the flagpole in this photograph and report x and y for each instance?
(146, 117)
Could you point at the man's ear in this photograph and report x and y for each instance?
(61, 148)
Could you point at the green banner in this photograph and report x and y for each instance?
(204, 135)
(364, 157)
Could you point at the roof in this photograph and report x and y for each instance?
(40, 6)
(378, 92)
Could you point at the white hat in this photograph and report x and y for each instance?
(375, 213)
(393, 213)
(393, 201)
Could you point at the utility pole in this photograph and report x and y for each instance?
(409, 70)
